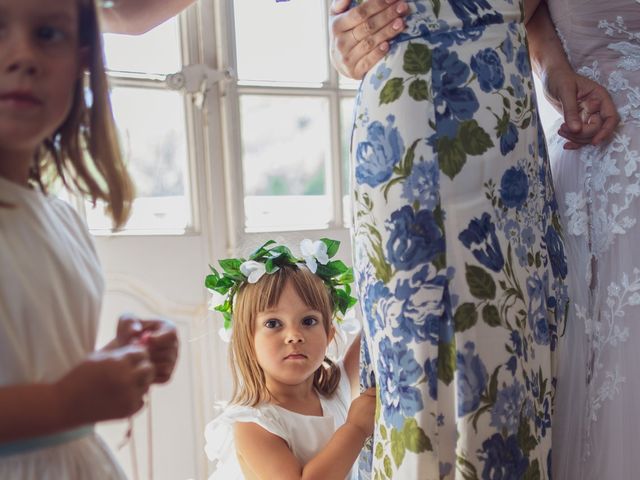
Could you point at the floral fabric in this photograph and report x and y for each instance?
(458, 252)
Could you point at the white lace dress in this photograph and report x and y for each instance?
(597, 424)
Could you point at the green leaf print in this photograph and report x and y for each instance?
(419, 90)
(526, 441)
(397, 447)
(379, 451)
(446, 362)
(391, 90)
(436, 7)
(533, 472)
(383, 432)
(490, 315)
(481, 284)
(465, 317)
(466, 468)
(388, 471)
(474, 139)
(451, 156)
(417, 59)
(414, 437)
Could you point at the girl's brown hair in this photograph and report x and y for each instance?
(248, 377)
(84, 150)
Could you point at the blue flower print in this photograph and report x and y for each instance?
(516, 343)
(372, 308)
(522, 61)
(431, 370)
(522, 254)
(508, 138)
(379, 76)
(506, 47)
(514, 187)
(503, 459)
(512, 230)
(376, 157)
(528, 237)
(505, 413)
(470, 381)
(367, 378)
(518, 86)
(414, 238)
(422, 184)
(487, 66)
(449, 74)
(480, 237)
(543, 418)
(556, 252)
(537, 310)
(399, 374)
(475, 12)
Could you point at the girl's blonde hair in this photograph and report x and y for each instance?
(248, 377)
(84, 151)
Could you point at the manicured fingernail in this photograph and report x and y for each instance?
(401, 8)
(389, 2)
(397, 24)
(384, 47)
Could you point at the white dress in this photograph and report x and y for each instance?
(51, 290)
(596, 423)
(304, 434)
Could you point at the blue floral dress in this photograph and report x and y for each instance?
(459, 259)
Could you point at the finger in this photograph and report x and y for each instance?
(144, 375)
(134, 354)
(569, 101)
(355, 16)
(129, 327)
(611, 118)
(388, 21)
(338, 6)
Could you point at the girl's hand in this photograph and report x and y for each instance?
(109, 384)
(362, 412)
(159, 336)
(359, 37)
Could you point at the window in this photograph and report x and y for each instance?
(294, 118)
(152, 127)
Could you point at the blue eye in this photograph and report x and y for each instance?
(272, 323)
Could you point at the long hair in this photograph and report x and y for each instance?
(249, 383)
(84, 151)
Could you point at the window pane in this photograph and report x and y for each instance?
(346, 124)
(286, 152)
(157, 51)
(281, 41)
(152, 129)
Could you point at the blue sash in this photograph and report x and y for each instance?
(36, 443)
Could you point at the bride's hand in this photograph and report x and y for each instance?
(359, 36)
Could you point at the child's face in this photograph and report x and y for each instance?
(290, 341)
(39, 67)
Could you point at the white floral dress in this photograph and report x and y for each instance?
(458, 252)
(597, 425)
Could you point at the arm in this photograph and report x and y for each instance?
(135, 17)
(589, 112)
(107, 385)
(359, 37)
(266, 456)
(352, 365)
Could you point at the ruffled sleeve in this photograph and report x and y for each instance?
(220, 445)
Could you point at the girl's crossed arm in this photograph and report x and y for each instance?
(264, 455)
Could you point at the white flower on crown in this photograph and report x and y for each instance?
(225, 334)
(252, 270)
(215, 299)
(314, 253)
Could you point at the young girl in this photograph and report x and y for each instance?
(52, 388)
(291, 415)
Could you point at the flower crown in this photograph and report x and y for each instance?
(269, 258)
